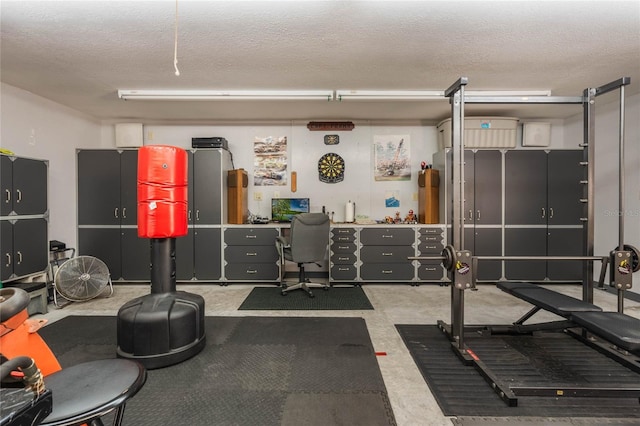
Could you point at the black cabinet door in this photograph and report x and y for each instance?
(564, 188)
(30, 246)
(135, 254)
(526, 187)
(129, 187)
(207, 186)
(6, 184)
(565, 242)
(29, 186)
(207, 253)
(488, 242)
(6, 249)
(469, 187)
(184, 256)
(99, 187)
(487, 188)
(190, 195)
(103, 243)
(525, 242)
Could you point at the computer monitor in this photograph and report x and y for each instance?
(283, 209)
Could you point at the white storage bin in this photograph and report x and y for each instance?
(481, 132)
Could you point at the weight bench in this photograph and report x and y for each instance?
(614, 327)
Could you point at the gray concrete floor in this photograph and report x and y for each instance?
(411, 399)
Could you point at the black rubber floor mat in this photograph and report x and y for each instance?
(461, 391)
(335, 298)
(252, 371)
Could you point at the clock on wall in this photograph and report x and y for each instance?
(331, 168)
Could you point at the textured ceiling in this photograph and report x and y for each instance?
(79, 53)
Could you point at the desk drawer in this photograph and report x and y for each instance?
(430, 271)
(250, 236)
(387, 236)
(391, 254)
(343, 272)
(430, 247)
(343, 238)
(251, 254)
(344, 258)
(387, 271)
(252, 271)
(343, 247)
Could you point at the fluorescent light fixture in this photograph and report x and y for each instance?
(517, 93)
(225, 95)
(389, 95)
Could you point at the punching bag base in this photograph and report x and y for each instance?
(159, 330)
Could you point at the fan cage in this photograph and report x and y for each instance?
(82, 278)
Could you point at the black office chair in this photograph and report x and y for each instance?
(308, 242)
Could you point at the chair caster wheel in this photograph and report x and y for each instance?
(284, 293)
(311, 294)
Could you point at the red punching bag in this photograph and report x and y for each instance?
(162, 191)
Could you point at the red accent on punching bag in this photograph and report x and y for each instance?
(162, 191)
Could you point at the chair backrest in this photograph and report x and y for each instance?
(309, 237)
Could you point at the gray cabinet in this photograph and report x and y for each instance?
(251, 255)
(23, 217)
(343, 259)
(542, 213)
(107, 212)
(384, 253)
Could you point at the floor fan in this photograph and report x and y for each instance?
(81, 278)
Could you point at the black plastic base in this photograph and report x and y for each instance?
(159, 330)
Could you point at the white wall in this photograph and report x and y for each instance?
(607, 173)
(35, 127)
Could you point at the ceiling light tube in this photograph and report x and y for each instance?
(516, 93)
(225, 95)
(389, 95)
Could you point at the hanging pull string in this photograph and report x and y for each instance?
(175, 43)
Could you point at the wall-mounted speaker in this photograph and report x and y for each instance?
(536, 134)
(129, 135)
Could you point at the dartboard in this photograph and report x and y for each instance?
(331, 168)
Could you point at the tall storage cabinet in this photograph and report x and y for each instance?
(23, 217)
(108, 214)
(542, 213)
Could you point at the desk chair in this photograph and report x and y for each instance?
(308, 243)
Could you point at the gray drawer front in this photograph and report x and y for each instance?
(431, 231)
(387, 271)
(251, 254)
(343, 248)
(430, 271)
(251, 271)
(430, 238)
(250, 236)
(343, 231)
(343, 272)
(391, 254)
(430, 248)
(343, 238)
(387, 236)
(344, 258)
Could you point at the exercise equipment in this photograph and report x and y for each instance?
(167, 326)
(72, 396)
(614, 333)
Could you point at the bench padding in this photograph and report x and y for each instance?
(619, 329)
(546, 299)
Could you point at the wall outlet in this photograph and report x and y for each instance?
(415, 196)
(257, 196)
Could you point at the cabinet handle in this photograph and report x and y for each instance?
(251, 271)
(387, 254)
(8, 199)
(343, 247)
(387, 236)
(477, 214)
(550, 212)
(8, 259)
(343, 258)
(251, 237)
(189, 214)
(543, 212)
(124, 212)
(197, 214)
(470, 215)
(430, 269)
(115, 213)
(251, 254)
(343, 238)
(343, 269)
(19, 195)
(344, 231)
(19, 253)
(386, 271)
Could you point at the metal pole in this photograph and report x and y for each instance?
(621, 191)
(588, 190)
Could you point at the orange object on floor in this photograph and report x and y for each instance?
(19, 337)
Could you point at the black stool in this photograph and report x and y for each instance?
(85, 392)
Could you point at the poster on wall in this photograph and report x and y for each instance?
(270, 161)
(392, 157)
